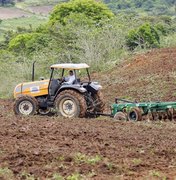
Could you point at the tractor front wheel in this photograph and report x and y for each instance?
(70, 104)
(25, 105)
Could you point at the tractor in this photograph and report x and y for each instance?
(79, 99)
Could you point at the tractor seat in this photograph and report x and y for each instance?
(54, 86)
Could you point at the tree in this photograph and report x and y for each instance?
(29, 42)
(145, 36)
(96, 11)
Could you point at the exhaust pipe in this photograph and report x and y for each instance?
(33, 70)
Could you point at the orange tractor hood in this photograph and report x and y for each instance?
(35, 88)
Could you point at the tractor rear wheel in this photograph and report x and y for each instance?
(70, 104)
(134, 114)
(100, 105)
(25, 105)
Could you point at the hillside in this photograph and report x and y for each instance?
(144, 77)
(156, 7)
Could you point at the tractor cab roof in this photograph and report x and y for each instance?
(70, 66)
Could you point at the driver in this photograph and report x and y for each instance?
(70, 78)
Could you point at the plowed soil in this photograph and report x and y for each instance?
(145, 77)
(41, 147)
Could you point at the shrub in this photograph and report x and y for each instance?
(29, 42)
(145, 36)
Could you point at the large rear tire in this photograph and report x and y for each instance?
(99, 99)
(25, 105)
(70, 104)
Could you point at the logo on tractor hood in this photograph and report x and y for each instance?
(35, 89)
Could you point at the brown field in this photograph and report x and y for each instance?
(45, 147)
(9, 13)
(145, 77)
(44, 10)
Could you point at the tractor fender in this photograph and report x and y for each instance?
(95, 86)
(77, 88)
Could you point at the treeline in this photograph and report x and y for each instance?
(150, 6)
(7, 2)
(32, 3)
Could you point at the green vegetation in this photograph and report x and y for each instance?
(79, 31)
(82, 158)
(75, 176)
(157, 174)
(7, 2)
(19, 24)
(6, 173)
(88, 9)
(29, 2)
(39, 2)
(145, 36)
(29, 42)
(157, 7)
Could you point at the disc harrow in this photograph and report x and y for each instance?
(137, 111)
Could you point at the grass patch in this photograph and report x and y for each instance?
(137, 162)
(168, 41)
(157, 174)
(38, 2)
(75, 176)
(27, 176)
(31, 22)
(6, 173)
(57, 176)
(82, 158)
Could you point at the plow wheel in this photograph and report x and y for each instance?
(120, 116)
(25, 105)
(134, 115)
(70, 103)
